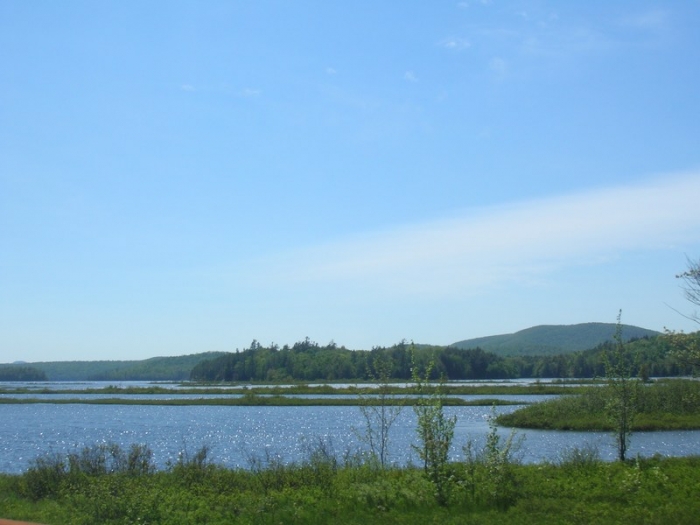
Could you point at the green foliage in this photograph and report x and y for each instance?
(21, 373)
(380, 411)
(489, 475)
(391, 402)
(287, 394)
(307, 361)
(672, 404)
(154, 369)
(175, 368)
(685, 348)
(317, 491)
(50, 474)
(623, 387)
(691, 286)
(435, 433)
(44, 477)
(580, 458)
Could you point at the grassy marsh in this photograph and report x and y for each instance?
(664, 405)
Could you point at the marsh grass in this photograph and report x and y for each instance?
(579, 489)
(326, 389)
(255, 400)
(665, 405)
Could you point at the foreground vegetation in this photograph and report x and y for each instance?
(664, 405)
(106, 485)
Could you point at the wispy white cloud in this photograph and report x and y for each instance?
(519, 242)
(465, 4)
(249, 92)
(654, 19)
(650, 28)
(455, 43)
(410, 76)
(330, 71)
(547, 34)
(499, 67)
(246, 92)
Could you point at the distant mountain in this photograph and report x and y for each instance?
(176, 368)
(155, 369)
(553, 339)
(538, 340)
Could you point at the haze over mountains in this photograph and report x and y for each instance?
(176, 368)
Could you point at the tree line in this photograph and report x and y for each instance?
(21, 373)
(308, 361)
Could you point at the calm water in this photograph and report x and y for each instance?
(237, 434)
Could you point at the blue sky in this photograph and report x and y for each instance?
(179, 177)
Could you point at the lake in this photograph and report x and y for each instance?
(237, 436)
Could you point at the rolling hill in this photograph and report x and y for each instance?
(153, 369)
(539, 340)
(553, 339)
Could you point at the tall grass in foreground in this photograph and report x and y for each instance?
(578, 489)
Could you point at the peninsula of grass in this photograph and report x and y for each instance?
(254, 400)
(665, 405)
(305, 389)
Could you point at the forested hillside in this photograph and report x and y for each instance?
(554, 339)
(154, 369)
(308, 361)
(21, 372)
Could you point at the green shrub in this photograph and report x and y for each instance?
(489, 478)
(44, 477)
(583, 457)
(47, 475)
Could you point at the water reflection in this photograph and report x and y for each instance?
(237, 435)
